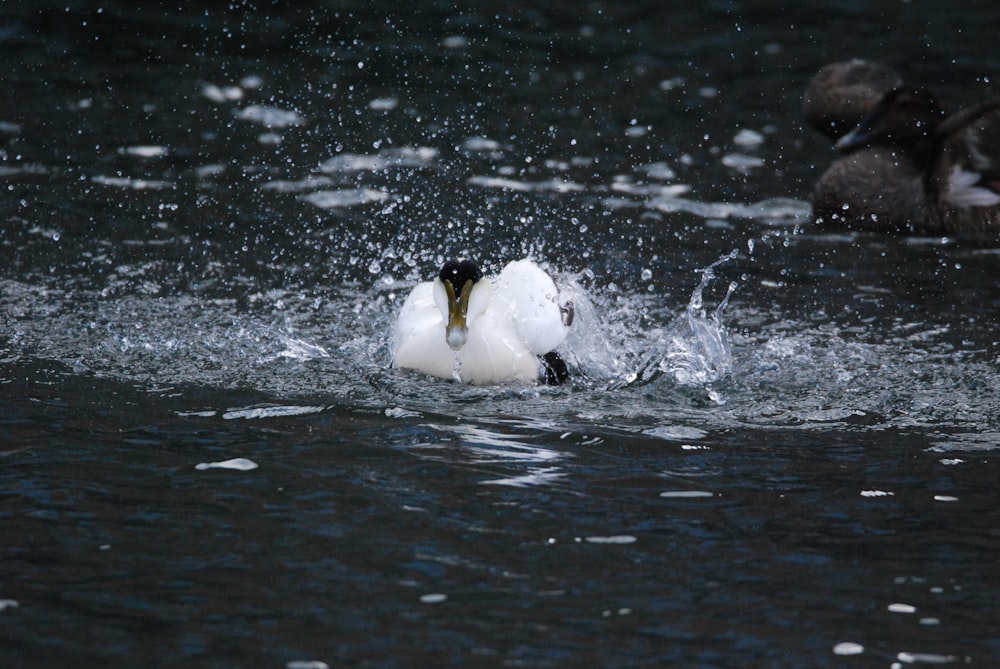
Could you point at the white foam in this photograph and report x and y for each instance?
(270, 117)
(551, 185)
(252, 81)
(150, 151)
(239, 464)
(23, 168)
(349, 197)
(741, 162)
(135, 184)
(297, 186)
(383, 104)
(686, 494)
(399, 412)
(279, 411)
(535, 477)
(748, 139)
(671, 84)
(406, 156)
(433, 598)
(675, 432)
(925, 658)
(659, 170)
(620, 539)
(848, 648)
(773, 209)
(222, 94)
(483, 144)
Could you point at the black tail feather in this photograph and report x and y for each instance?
(554, 370)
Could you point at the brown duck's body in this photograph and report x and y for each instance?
(906, 166)
(966, 174)
(853, 193)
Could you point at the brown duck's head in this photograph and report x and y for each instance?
(842, 94)
(905, 117)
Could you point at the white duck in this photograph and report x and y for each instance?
(484, 330)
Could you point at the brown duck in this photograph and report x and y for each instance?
(907, 166)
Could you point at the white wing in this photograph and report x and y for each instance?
(534, 305)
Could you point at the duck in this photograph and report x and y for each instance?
(855, 190)
(484, 330)
(907, 165)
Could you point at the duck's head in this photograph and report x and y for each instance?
(903, 117)
(453, 290)
(842, 94)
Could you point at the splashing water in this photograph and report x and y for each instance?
(291, 345)
(694, 349)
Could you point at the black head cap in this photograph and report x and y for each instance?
(458, 272)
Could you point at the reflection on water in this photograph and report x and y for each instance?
(488, 446)
(778, 445)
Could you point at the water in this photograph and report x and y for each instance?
(779, 445)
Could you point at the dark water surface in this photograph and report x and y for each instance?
(211, 216)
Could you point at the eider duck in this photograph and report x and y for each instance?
(484, 330)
